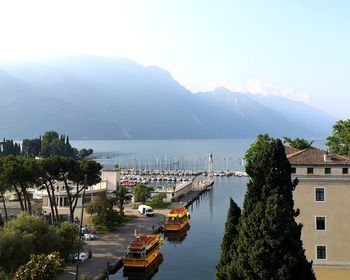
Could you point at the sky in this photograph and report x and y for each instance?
(294, 48)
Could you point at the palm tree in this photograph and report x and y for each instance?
(121, 196)
(142, 193)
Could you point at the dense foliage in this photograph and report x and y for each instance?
(121, 196)
(228, 245)
(158, 201)
(19, 174)
(339, 141)
(103, 215)
(268, 244)
(298, 143)
(50, 144)
(142, 193)
(27, 235)
(9, 147)
(40, 267)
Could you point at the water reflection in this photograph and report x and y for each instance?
(177, 237)
(143, 274)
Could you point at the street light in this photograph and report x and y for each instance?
(80, 227)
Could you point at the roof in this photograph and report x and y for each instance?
(314, 156)
(143, 240)
(290, 150)
(178, 212)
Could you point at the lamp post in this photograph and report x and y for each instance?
(80, 226)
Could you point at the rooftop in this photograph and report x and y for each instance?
(314, 156)
(290, 150)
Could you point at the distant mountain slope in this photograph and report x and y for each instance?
(90, 97)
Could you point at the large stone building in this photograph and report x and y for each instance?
(323, 197)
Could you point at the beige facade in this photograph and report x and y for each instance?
(323, 198)
(110, 180)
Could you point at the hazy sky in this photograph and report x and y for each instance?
(297, 48)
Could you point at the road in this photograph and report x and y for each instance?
(110, 247)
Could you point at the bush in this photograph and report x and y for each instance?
(68, 233)
(40, 267)
(108, 218)
(28, 235)
(24, 236)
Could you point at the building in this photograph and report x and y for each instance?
(110, 180)
(323, 197)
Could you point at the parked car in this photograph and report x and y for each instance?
(146, 210)
(90, 236)
(82, 257)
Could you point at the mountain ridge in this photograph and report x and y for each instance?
(89, 97)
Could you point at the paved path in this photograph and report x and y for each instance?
(111, 246)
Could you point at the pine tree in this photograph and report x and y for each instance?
(228, 245)
(268, 242)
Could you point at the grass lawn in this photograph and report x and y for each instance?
(156, 205)
(103, 229)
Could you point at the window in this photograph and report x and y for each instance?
(320, 223)
(345, 170)
(321, 252)
(310, 170)
(327, 170)
(319, 194)
(293, 170)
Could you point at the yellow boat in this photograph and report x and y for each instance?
(142, 251)
(177, 219)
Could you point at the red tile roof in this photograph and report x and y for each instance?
(313, 156)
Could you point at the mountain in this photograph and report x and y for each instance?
(90, 97)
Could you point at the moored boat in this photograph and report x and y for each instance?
(142, 251)
(177, 219)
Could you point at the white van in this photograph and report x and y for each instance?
(146, 210)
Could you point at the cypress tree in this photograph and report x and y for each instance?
(268, 242)
(228, 245)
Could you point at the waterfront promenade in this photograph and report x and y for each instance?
(111, 247)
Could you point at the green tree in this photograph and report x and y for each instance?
(24, 236)
(121, 196)
(142, 193)
(40, 267)
(339, 141)
(53, 144)
(76, 171)
(228, 245)
(101, 209)
(298, 143)
(31, 148)
(268, 241)
(68, 234)
(9, 147)
(21, 174)
(83, 153)
(158, 199)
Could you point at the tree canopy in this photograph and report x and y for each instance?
(142, 193)
(121, 196)
(27, 234)
(40, 267)
(228, 245)
(339, 141)
(268, 244)
(298, 143)
(50, 144)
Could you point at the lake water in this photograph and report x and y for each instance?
(169, 154)
(194, 254)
